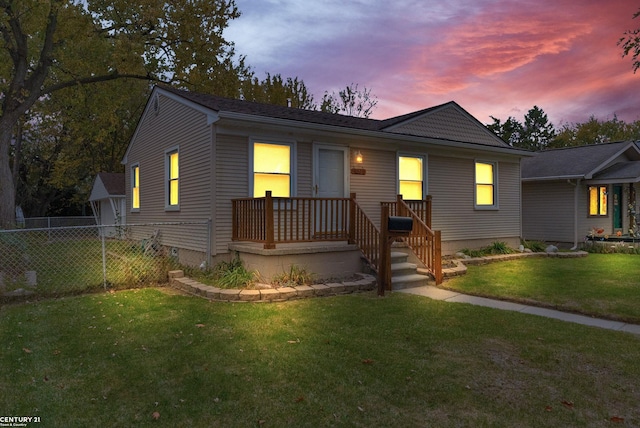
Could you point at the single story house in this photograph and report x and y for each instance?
(571, 193)
(196, 156)
(108, 201)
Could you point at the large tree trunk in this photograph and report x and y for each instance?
(7, 189)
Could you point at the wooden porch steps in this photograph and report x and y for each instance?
(405, 274)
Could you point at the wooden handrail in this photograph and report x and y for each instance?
(424, 242)
(365, 234)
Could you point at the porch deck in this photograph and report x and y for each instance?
(261, 226)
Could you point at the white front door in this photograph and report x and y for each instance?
(330, 172)
(330, 181)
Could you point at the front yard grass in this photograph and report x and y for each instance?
(147, 357)
(602, 285)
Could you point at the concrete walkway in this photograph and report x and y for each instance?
(453, 296)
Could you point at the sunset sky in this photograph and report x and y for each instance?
(493, 57)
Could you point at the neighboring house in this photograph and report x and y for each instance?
(192, 154)
(570, 193)
(108, 201)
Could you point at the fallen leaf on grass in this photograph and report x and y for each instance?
(567, 404)
(262, 422)
(548, 409)
(199, 325)
(155, 415)
(616, 419)
(299, 399)
(293, 341)
(367, 361)
(27, 350)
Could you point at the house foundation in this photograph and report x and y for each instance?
(325, 260)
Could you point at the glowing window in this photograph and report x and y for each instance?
(271, 169)
(173, 179)
(598, 200)
(135, 187)
(485, 184)
(410, 175)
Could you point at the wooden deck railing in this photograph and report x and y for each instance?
(273, 220)
(423, 241)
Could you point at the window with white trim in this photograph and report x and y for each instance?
(172, 181)
(135, 187)
(485, 185)
(597, 200)
(411, 177)
(272, 169)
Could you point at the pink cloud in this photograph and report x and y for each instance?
(494, 57)
(558, 56)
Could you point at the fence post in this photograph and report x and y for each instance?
(437, 253)
(400, 211)
(427, 219)
(104, 258)
(268, 213)
(234, 220)
(352, 219)
(384, 274)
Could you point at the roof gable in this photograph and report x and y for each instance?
(577, 162)
(448, 121)
(107, 185)
(627, 172)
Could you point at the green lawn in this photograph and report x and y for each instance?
(115, 359)
(605, 285)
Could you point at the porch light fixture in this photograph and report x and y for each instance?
(359, 158)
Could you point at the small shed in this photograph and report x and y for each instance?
(108, 201)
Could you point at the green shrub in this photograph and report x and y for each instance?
(472, 253)
(603, 247)
(295, 276)
(233, 274)
(498, 248)
(535, 246)
(494, 248)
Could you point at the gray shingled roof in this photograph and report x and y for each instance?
(448, 121)
(624, 171)
(445, 122)
(113, 182)
(571, 162)
(218, 104)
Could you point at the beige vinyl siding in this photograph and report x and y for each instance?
(451, 185)
(548, 211)
(379, 184)
(232, 177)
(177, 126)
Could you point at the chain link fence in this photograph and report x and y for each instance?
(51, 262)
(49, 222)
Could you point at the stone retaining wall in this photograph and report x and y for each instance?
(179, 281)
(460, 267)
(366, 283)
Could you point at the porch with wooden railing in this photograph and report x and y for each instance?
(274, 220)
(425, 243)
